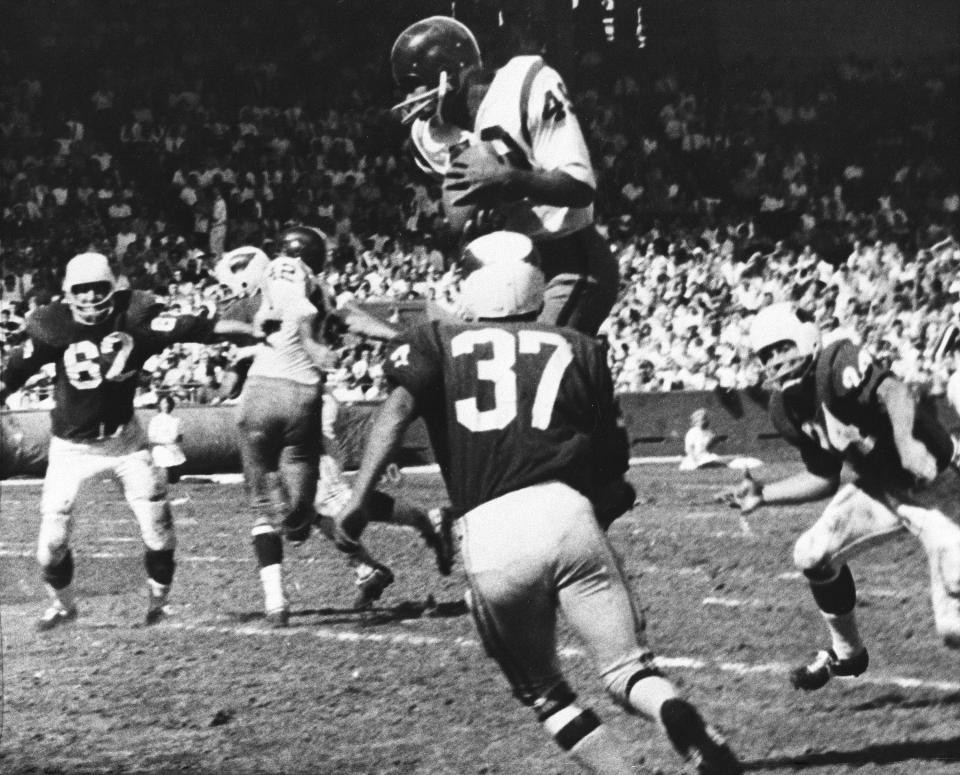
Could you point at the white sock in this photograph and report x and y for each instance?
(272, 579)
(64, 598)
(600, 752)
(844, 634)
(596, 752)
(648, 695)
(157, 589)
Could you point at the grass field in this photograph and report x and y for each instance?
(406, 688)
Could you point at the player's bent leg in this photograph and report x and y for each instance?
(583, 280)
(68, 467)
(853, 521)
(57, 577)
(144, 486)
(940, 537)
(528, 661)
(597, 601)
(579, 732)
(298, 474)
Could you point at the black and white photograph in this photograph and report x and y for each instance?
(470, 387)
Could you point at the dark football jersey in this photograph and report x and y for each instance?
(97, 365)
(836, 417)
(510, 405)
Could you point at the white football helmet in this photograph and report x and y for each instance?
(785, 345)
(501, 277)
(89, 287)
(241, 269)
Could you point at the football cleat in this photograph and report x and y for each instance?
(371, 581)
(156, 609)
(54, 616)
(824, 666)
(696, 741)
(440, 539)
(277, 620)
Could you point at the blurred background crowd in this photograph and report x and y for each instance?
(164, 139)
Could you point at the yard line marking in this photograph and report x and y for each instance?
(880, 678)
(429, 468)
(24, 549)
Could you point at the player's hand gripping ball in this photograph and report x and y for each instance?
(479, 178)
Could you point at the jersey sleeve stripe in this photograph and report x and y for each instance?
(528, 80)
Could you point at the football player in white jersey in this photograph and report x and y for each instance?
(548, 184)
(99, 337)
(279, 418)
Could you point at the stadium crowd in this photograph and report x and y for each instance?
(718, 194)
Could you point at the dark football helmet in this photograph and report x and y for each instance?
(427, 60)
(306, 243)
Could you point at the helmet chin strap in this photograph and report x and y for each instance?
(414, 105)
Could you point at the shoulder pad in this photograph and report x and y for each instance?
(51, 324)
(140, 306)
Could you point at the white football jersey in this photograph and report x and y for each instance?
(286, 289)
(432, 142)
(527, 114)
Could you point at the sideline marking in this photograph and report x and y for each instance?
(880, 678)
(430, 468)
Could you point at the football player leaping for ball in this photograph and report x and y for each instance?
(99, 338)
(836, 404)
(548, 185)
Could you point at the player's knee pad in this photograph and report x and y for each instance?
(52, 542)
(156, 522)
(834, 593)
(809, 555)
(160, 565)
(267, 545)
(59, 572)
(567, 723)
(620, 679)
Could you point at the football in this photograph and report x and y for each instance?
(479, 159)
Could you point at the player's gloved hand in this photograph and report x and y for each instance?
(916, 459)
(485, 182)
(746, 496)
(614, 500)
(207, 309)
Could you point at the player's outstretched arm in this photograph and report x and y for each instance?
(360, 322)
(323, 357)
(233, 329)
(749, 494)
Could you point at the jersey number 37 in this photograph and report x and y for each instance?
(498, 369)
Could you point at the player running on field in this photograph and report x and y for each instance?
(281, 416)
(99, 338)
(523, 422)
(835, 404)
(547, 189)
